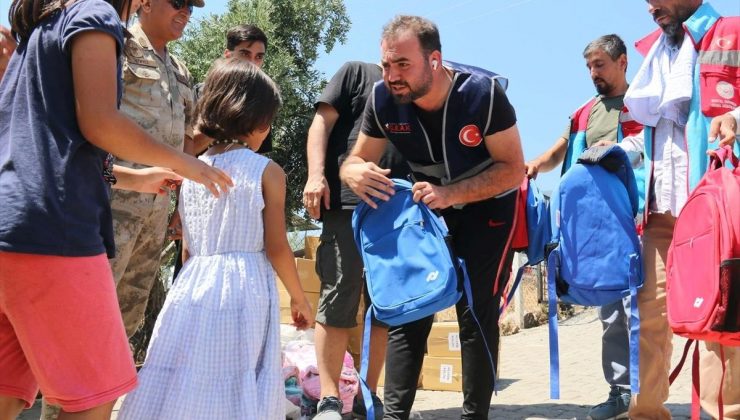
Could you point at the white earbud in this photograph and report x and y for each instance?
(434, 64)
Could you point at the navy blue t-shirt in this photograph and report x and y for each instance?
(53, 199)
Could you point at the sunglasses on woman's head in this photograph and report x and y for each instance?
(179, 4)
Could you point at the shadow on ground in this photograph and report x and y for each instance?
(549, 411)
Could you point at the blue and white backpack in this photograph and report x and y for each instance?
(409, 268)
(410, 271)
(595, 258)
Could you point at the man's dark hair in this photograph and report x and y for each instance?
(611, 44)
(237, 99)
(244, 33)
(424, 29)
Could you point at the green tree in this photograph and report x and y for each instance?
(296, 30)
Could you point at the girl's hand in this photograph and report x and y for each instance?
(213, 178)
(302, 313)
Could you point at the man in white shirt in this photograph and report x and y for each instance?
(676, 111)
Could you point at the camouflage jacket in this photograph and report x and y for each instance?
(157, 92)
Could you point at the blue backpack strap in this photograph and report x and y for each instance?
(469, 297)
(357, 216)
(365, 358)
(635, 276)
(553, 261)
(365, 364)
(512, 291)
(539, 230)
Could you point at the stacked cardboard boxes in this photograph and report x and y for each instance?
(442, 369)
(310, 283)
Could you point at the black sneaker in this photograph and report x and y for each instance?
(329, 408)
(614, 408)
(358, 407)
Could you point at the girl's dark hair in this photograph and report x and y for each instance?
(25, 15)
(237, 99)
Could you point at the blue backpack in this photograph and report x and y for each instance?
(595, 258)
(410, 270)
(533, 222)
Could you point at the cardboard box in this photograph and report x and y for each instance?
(313, 299)
(444, 340)
(307, 273)
(449, 314)
(285, 318)
(310, 246)
(442, 373)
(283, 297)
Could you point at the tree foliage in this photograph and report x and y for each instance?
(296, 30)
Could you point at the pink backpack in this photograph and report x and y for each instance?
(703, 268)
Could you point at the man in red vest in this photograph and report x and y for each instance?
(676, 103)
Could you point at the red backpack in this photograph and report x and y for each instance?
(703, 268)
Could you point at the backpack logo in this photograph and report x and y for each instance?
(434, 275)
(470, 135)
(698, 302)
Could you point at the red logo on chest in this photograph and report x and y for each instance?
(397, 128)
(470, 135)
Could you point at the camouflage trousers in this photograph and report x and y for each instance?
(140, 227)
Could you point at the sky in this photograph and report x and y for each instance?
(536, 44)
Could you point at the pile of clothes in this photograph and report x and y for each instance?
(301, 375)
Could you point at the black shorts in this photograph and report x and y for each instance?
(339, 266)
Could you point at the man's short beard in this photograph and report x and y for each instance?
(414, 94)
(674, 30)
(411, 96)
(671, 30)
(603, 89)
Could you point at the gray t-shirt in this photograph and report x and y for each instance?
(602, 121)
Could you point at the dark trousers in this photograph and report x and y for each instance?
(480, 232)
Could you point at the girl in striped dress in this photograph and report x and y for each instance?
(215, 350)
